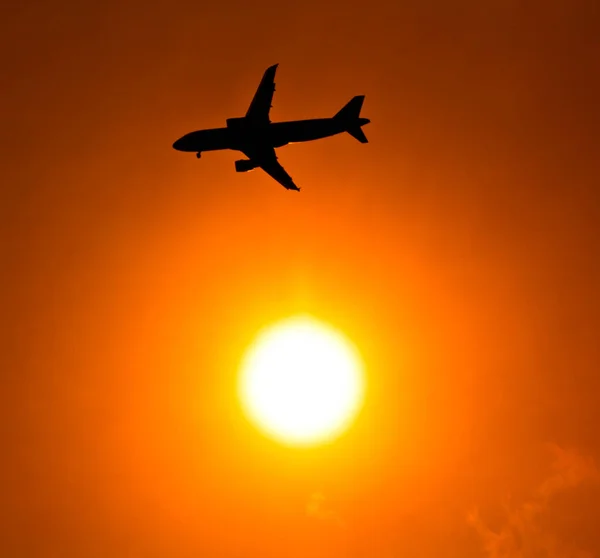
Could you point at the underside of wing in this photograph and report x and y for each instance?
(261, 103)
(276, 171)
(266, 159)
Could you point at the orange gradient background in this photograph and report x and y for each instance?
(458, 250)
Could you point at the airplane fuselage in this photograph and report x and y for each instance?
(257, 137)
(240, 133)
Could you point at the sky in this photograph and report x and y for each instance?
(459, 250)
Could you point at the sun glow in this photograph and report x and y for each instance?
(301, 381)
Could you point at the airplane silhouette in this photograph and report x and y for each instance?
(257, 137)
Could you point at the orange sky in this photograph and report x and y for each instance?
(459, 250)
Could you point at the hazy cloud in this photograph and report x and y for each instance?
(522, 534)
(316, 507)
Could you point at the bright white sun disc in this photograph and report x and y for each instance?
(301, 381)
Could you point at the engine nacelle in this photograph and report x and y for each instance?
(244, 165)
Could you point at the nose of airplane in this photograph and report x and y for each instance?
(179, 144)
(364, 121)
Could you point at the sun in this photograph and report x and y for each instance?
(301, 381)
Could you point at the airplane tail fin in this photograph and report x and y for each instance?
(351, 110)
(350, 116)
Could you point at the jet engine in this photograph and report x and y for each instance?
(245, 165)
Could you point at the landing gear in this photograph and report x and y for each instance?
(199, 154)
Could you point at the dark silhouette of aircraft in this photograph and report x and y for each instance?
(257, 137)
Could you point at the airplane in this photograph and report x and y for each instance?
(257, 137)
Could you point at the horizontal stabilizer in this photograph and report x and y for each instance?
(357, 133)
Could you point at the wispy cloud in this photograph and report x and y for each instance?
(316, 507)
(522, 534)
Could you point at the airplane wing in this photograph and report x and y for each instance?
(266, 159)
(261, 103)
(276, 171)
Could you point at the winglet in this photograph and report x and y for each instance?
(269, 75)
